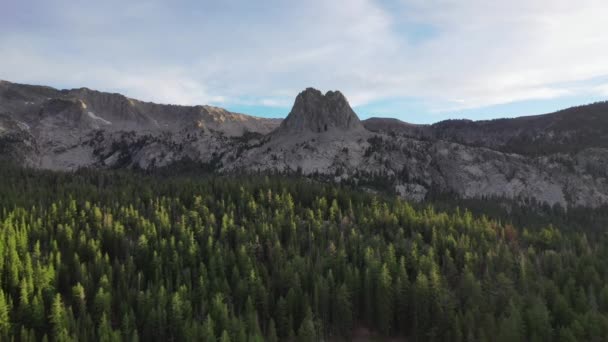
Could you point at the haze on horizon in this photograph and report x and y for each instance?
(419, 61)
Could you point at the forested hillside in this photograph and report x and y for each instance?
(121, 256)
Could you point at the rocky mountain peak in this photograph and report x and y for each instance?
(317, 113)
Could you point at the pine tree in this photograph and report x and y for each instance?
(538, 321)
(420, 309)
(5, 323)
(209, 330)
(225, 337)
(511, 326)
(272, 332)
(603, 299)
(342, 311)
(58, 320)
(402, 301)
(384, 301)
(78, 297)
(306, 332)
(219, 312)
(565, 335)
(38, 317)
(104, 330)
(282, 315)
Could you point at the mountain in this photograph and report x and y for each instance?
(569, 130)
(559, 158)
(317, 113)
(118, 113)
(393, 126)
(68, 129)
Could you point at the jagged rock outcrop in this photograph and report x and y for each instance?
(559, 158)
(317, 113)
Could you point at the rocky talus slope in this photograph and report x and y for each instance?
(558, 158)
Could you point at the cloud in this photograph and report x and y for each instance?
(497, 52)
(602, 89)
(447, 54)
(166, 85)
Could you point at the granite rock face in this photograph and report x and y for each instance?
(317, 113)
(559, 158)
(69, 129)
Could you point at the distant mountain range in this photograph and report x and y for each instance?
(557, 158)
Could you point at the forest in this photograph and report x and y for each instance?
(126, 256)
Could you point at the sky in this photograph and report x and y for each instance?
(420, 61)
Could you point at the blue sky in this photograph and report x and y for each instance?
(417, 60)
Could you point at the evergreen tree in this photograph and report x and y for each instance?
(511, 326)
(342, 311)
(58, 320)
(225, 337)
(208, 330)
(539, 321)
(5, 323)
(272, 332)
(306, 332)
(384, 301)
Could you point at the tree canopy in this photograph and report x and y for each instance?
(121, 256)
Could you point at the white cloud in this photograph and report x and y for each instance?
(480, 52)
(601, 89)
(162, 85)
(275, 102)
(497, 52)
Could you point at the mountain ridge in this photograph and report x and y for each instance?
(129, 112)
(567, 130)
(559, 158)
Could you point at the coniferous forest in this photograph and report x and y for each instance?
(126, 256)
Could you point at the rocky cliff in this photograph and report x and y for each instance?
(559, 158)
(318, 113)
